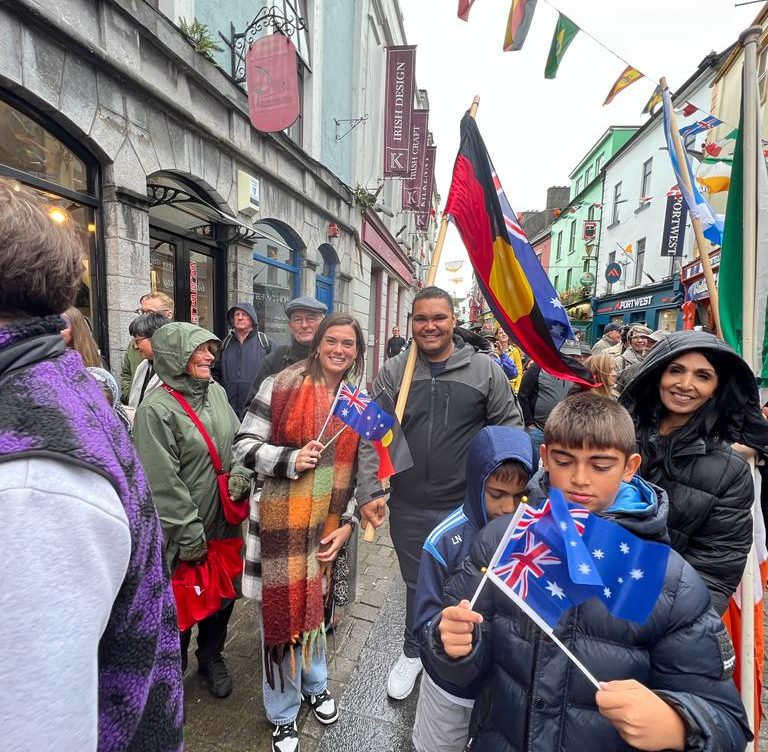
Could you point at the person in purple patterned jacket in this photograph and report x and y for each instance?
(89, 649)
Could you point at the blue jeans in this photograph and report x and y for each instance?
(283, 707)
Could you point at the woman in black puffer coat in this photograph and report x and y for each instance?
(692, 397)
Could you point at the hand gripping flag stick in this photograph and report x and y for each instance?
(410, 365)
(489, 575)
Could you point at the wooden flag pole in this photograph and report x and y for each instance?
(701, 241)
(751, 140)
(410, 364)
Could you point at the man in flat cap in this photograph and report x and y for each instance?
(304, 317)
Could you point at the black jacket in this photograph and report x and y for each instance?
(238, 362)
(709, 484)
(539, 393)
(442, 415)
(536, 700)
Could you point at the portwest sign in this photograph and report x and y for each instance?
(673, 235)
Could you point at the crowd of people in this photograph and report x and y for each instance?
(116, 498)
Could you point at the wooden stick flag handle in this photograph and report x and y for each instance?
(410, 366)
(701, 241)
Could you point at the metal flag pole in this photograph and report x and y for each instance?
(410, 364)
(751, 152)
(701, 241)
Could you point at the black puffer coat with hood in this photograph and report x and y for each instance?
(535, 700)
(709, 484)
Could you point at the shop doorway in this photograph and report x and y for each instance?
(188, 252)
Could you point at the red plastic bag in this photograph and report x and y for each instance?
(200, 588)
(235, 512)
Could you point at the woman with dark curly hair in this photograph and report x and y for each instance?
(690, 400)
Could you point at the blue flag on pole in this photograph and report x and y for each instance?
(711, 226)
(562, 555)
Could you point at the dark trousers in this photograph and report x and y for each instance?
(211, 636)
(409, 528)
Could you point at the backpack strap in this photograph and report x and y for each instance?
(265, 342)
(217, 466)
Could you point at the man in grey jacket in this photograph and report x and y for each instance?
(611, 337)
(455, 392)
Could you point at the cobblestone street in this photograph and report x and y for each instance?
(360, 654)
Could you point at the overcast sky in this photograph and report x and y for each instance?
(537, 130)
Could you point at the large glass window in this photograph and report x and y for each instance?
(275, 281)
(43, 157)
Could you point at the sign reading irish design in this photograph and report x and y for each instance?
(398, 104)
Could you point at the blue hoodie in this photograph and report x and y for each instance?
(449, 543)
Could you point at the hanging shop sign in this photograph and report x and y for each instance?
(613, 272)
(412, 184)
(398, 110)
(673, 235)
(271, 70)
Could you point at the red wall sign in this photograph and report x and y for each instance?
(398, 111)
(271, 71)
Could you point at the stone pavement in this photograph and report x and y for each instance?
(360, 654)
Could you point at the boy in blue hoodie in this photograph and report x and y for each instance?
(499, 465)
(665, 684)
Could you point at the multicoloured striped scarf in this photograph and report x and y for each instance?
(297, 514)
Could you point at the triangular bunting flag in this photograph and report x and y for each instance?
(565, 32)
(464, 8)
(518, 23)
(628, 77)
(653, 102)
(688, 109)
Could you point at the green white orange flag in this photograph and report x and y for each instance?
(518, 23)
(565, 31)
(628, 77)
(731, 262)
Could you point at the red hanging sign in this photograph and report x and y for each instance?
(271, 72)
(398, 110)
(427, 188)
(412, 184)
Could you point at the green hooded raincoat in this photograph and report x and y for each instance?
(174, 454)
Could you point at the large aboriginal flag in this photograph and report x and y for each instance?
(510, 275)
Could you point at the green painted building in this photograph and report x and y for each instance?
(573, 251)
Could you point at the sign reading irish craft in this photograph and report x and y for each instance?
(412, 184)
(398, 101)
(427, 189)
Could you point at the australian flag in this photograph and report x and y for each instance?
(362, 414)
(565, 555)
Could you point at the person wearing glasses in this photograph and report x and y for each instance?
(145, 379)
(304, 317)
(152, 302)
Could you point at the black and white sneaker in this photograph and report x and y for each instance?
(323, 706)
(285, 738)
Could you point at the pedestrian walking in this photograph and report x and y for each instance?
(145, 378)
(638, 346)
(395, 344)
(90, 652)
(77, 335)
(515, 355)
(610, 339)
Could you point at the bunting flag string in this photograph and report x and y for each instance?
(464, 8)
(653, 102)
(518, 23)
(565, 32)
(629, 75)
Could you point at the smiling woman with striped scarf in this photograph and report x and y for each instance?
(300, 522)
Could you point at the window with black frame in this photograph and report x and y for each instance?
(40, 154)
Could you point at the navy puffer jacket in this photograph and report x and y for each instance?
(536, 700)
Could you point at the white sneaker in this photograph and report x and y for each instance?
(403, 676)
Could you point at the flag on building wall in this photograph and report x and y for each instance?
(711, 226)
(653, 102)
(464, 8)
(629, 76)
(565, 32)
(518, 23)
(508, 271)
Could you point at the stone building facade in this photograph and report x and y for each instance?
(111, 113)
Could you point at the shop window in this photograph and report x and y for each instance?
(639, 261)
(42, 156)
(668, 319)
(276, 277)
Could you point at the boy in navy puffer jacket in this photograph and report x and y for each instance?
(499, 465)
(665, 684)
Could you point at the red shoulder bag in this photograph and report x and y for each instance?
(234, 511)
